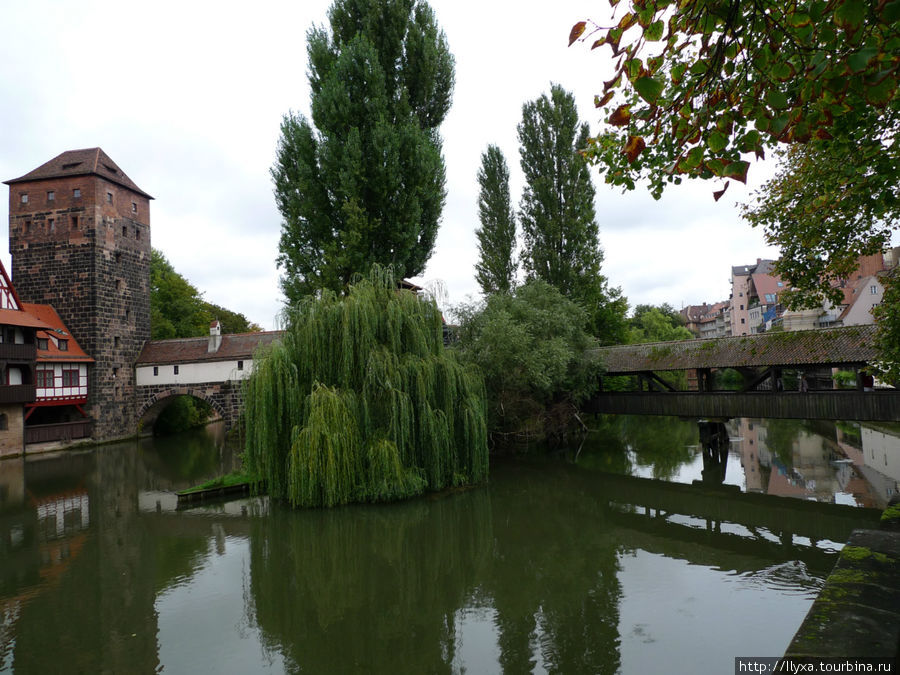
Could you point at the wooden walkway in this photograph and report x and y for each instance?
(863, 406)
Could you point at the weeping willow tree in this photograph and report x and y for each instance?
(359, 401)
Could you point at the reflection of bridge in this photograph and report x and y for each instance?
(762, 362)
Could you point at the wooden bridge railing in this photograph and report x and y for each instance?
(883, 406)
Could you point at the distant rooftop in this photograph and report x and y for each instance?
(86, 162)
(188, 350)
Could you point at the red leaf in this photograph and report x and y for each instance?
(717, 195)
(620, 116)
(634, 147)
(600, 102)
(576, 31)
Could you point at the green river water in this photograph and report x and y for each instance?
(631, 553)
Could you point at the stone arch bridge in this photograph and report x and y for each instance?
(211, 369)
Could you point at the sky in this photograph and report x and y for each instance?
(187, 98)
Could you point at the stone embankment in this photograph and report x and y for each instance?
(857, 613)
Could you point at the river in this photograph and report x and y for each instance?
(636, 552)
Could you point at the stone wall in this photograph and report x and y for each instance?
(226, 398)
(12, 437)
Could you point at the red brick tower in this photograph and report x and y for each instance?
(79, 237)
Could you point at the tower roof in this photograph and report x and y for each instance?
(89, 161)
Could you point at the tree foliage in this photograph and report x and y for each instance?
(363, 183)
(381, 412)
(178, 310)
(495, 270)
(887, 313)
(699, 83)
(531, 345)
(557, 211)
(656, 324)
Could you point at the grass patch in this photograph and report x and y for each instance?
(228, 480)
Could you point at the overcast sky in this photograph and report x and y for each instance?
(187, 98)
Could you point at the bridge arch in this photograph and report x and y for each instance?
(152, 406)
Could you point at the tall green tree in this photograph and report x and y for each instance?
(363, 182)
(557, 211)
(657, 324)
(495, 270)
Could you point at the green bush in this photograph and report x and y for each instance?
(532, 347)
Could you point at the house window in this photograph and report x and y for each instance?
(155, 371)
(44, 379)
(70, 378)
(240, 365)
(742, 307)
(51, 196)
(176, 370)
(742, 321)
(24, 198)
(63, 345)
(76, 193)
(4, 422)
(42, 343)
(109, 197)
(873, 290)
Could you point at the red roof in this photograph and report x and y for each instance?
(188, 350)
(56, 329)
(18, 317)
(86, 162)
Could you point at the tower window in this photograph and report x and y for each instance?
(137, 234)
(24, 198)
(76, 193)
(134, 207)
(74, 222)
(109, 197)
(117, 342)
(115, 372)
(51, 196)
(118, 284)
(51, 225)
(124, 230)
(27, 226)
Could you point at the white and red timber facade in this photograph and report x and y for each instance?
(79, 238)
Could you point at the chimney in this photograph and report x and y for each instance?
(215, 336)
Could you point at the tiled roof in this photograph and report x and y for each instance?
(854, 344)
(18, 317)
(58, 330)
(190, 350)
(89, 161)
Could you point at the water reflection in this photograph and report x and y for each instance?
(553, 567)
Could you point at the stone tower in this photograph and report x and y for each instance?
(79, 237)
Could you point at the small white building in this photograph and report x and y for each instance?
(187, 361)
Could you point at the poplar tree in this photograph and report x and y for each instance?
(495, 270)
(557, 211)
(363, 182)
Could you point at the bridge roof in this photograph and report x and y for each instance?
(829, 346)
(189, 350)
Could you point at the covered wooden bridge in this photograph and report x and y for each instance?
(784, 375)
